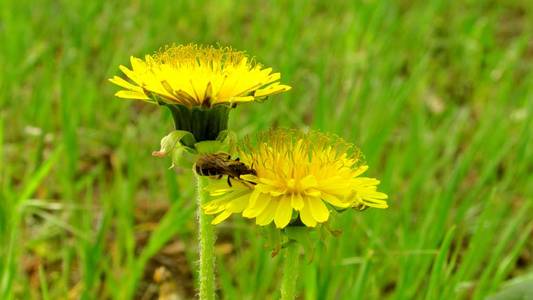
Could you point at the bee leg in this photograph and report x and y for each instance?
(229, 181)
(219, 176)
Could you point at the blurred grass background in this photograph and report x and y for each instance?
(438, 94)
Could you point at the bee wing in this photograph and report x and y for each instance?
(220, 162)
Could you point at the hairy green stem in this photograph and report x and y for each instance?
(290, 271)
(206, 236)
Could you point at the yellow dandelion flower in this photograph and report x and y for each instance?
(193, 75)
(298, 175)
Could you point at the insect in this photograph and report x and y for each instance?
(220, 164)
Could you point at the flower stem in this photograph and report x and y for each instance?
(206, 233)
(290, 271)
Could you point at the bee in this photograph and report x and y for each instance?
(220, 164)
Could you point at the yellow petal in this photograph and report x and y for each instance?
(216, 206)
(360, 171)
(378, 195)
(131, 95)
(231, 196)
(319, 211)
(283, 212)
(238, 99)
(267, 215)
(297, 201)
(312, 192)
(258, 208)
(375, 203)
(131, 75)
(266, 71)
(137, 64)
(308, 182)
(239, 204)
(365, 181)
(123, 83)
(272, 91)
(223, 216)
(305, 215)
(274, 76)
(277, 193)
(333, 200)
(254, 196)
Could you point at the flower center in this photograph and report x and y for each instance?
(292, 186)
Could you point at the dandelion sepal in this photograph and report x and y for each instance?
(203, 124)
(173, 140)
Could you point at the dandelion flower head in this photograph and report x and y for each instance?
(193, 75)
(298, 176)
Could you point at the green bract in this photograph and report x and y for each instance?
(179, 142)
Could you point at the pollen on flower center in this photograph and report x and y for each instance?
(291, 185)
(209, 56)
